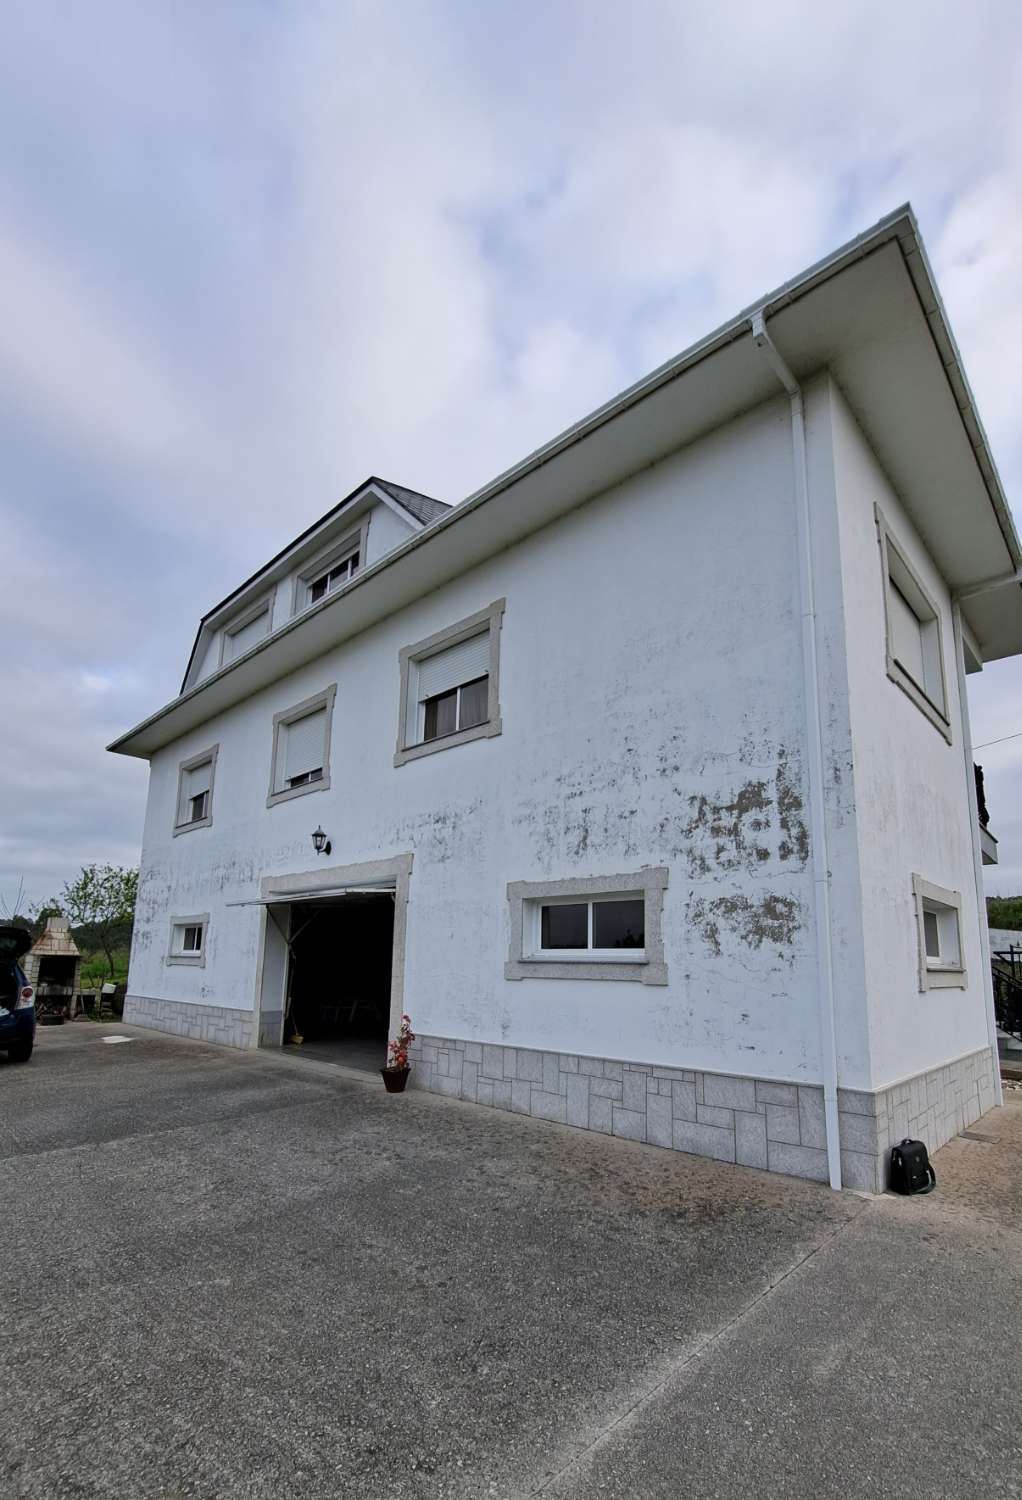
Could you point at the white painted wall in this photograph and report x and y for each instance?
(652, 713)
(210, 657)
(911, 808)
(387, 530)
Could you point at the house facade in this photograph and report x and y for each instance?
(642, 778)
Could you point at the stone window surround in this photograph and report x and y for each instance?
(650, 881)
(262, 606)
(948, 976)
(490, 618)
(190, 764)
(352, 540)
(325, 699)
(193, 960)
(939, 717)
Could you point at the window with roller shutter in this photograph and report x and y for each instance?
(449, 686)
(301, 748)
(242, 637)
(915, 648)
(195, 791)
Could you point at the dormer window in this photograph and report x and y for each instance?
(330, 571)
(245, 632)
(339, 574)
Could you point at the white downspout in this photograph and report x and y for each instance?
(977, 848)
(814, 727)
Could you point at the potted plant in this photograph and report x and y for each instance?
(395, 1074)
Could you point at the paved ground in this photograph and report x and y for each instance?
(231, 1276)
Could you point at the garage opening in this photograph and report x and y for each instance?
(338, 984)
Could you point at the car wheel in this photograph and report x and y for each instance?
(19, 1051)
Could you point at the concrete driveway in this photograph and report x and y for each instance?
(237, 1276)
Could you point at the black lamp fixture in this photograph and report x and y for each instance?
(320, 842)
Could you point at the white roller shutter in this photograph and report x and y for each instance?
(194, 782)
(457, 665)
(197, 780)
(305, 741)
(240, 641)
(906, 634)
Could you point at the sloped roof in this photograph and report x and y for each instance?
(870, 312)
(55, 940)
(423, 507)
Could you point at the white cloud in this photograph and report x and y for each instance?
(251, 258)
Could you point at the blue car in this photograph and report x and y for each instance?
(17, 1003)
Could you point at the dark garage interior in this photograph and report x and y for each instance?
(341, 952)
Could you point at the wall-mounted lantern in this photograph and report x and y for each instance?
(320, 842)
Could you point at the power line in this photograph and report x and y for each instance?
(987, 743)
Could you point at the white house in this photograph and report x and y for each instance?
(643, 775)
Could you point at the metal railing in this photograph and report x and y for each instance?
(1007, 966)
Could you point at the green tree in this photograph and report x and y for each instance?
(102, 901)
(1006, 912)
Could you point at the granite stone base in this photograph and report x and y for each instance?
(754, 1122)
(206, 1023)
(935, 1106)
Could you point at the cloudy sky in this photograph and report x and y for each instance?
(251, 252)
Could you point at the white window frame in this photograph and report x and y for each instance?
(948, 970)
(191, 764)
(176, 952)
(264, 606)
(527, 960)
(532, 921)
(324, 560)
(323, 700)
(931, 697)
(410, 746)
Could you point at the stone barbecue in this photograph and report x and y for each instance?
(53, 963)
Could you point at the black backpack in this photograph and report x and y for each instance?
(910, 1168)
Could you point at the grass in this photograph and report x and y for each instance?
(96, 971)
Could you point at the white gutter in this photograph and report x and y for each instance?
(977, 847)
(814, 736)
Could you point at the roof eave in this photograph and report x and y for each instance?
(899, 225)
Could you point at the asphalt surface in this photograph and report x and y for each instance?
(231, 1275)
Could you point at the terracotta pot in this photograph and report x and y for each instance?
(394, 1079)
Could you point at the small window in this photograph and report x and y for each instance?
(195, 791)
(915, 656)
(931, 928)
(591, 927)
(449, 686)
(608, 927)
(191, 939)
(938, 916)
(334, 577)
(301, 748)
(940, 929)
(188, 940)
(330, 571)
